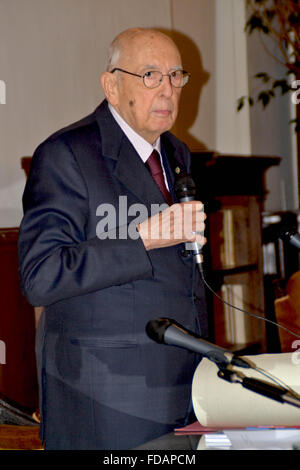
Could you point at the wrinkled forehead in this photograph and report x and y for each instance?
(151, 48)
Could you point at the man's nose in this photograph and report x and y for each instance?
(166, 85)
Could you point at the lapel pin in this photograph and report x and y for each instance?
(177, 170)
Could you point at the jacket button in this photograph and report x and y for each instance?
(185, 253)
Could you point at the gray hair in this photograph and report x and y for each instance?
(114, 53)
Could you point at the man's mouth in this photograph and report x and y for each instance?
(163, 112)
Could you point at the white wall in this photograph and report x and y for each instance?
(232, 128)
(194, 23)
(52, 53)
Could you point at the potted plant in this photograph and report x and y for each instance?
(280, 21)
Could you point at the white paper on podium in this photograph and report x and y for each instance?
(218, 403)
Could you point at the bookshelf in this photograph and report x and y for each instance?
(232, 188)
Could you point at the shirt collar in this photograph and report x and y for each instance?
(143, 148)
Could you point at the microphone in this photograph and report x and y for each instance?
(185, 190)
(292, 236)
(168, 331)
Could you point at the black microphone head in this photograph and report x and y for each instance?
(291, 236)
(185, 187)
(155, 329)
(285, 233)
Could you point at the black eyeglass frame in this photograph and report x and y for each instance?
(186, 75)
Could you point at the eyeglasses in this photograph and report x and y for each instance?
(153, 78)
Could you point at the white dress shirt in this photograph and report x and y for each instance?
(143, 148)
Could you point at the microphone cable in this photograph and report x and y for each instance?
(251, 314)
(277, 381)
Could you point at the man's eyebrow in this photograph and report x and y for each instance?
(177, 67)
(150, 67)
(155, 67)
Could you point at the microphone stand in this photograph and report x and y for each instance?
(261, 387)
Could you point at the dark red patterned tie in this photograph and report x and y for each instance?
(155, 168)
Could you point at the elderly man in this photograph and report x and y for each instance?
(104, 384)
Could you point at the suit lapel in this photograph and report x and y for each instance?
(175, 160)
(129, 168)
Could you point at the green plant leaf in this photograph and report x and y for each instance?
(270, 13)
(283, 84)
(294, 19)
(264, 97)
(263, 76)
(256, 22)
(240, 103)
(297, 124)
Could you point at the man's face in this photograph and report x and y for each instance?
(150, 112)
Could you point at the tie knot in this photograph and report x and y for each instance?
(154, 163)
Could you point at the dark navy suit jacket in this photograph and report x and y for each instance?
(104, 383)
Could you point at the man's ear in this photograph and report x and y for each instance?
(109, 84)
